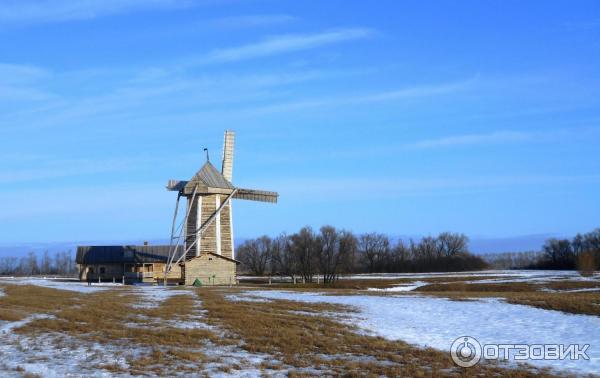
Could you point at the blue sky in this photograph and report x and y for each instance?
(408, 117)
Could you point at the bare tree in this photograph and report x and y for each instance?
(32, 265)
(46, 264)
(304, 248)
(559, 253)
(400, 257)
(283, 261)
(426, 249)
(334, 248)
(255, 254)
(9, 265)
(373, 248)
(450, 244)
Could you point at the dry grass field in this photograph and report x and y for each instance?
(155, 331)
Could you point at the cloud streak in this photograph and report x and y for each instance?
(344, 188)
(502, 137)
(282, 44)
(473, 139)
(415, 92)
(250, 21)
(31, 12)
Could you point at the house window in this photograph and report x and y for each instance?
(102, 270)
(90, 270)
(149, 268)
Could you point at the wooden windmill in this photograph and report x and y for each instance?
(207, 227)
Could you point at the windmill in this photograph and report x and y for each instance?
(207, 227)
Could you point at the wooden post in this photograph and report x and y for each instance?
(318, 279)
(98, 278)
(294, 280)
(303, 280)
(269, 280)
(114, 279)
(123, 280)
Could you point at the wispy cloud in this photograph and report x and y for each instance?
(250, 21)
(282, 44)
(20, 82)
(345, 188)
(32, 168)
(414, 92)
(473, 139)
(503, 137)
(55, 170)
(153, 89)
(28, 12)
(21, 73)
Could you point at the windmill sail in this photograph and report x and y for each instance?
(227, 167)
(256, 195)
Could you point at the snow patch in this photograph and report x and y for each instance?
(7, 327)
(510, 275)
(59, 283)
(153, 296)
(572, 290)
(437, 322)
(245, 298)
(401, 287)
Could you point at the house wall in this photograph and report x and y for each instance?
(119, 270)
(219, 270)
(174, 274)
(92, 271)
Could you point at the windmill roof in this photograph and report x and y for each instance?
(211, 177)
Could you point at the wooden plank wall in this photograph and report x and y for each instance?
(208, 240)
(226, 242)
(211, 270)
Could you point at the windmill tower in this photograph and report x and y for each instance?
(207, 228)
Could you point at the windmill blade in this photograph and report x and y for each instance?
(227, 166)
(256, 195)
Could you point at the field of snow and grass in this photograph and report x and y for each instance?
(58, 327)
(436, 322)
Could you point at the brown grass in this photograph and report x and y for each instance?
(22, 301)
(101, 317)
(283, 329)
(471, 287)
(107, 318)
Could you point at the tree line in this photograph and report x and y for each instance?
(61, 263)
(581, 252)
(330, 252)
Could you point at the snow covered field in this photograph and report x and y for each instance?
(62, 355)
(510, 275)
(437, 322)
(395, 313)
